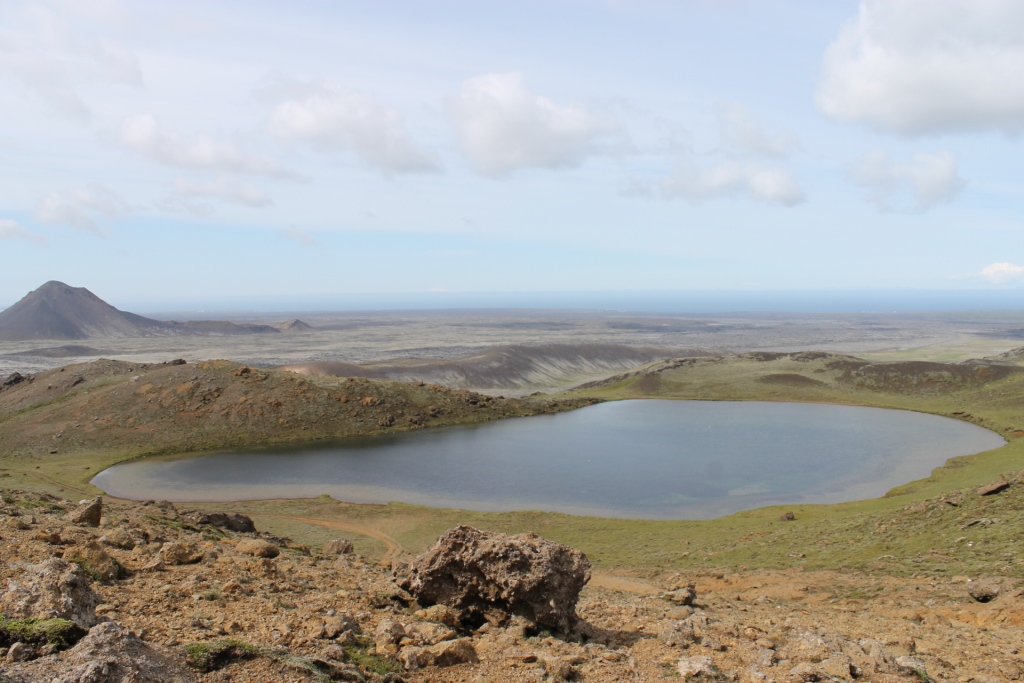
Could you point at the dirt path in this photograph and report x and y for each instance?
(61, 486)
(622, 583)
(393, 550)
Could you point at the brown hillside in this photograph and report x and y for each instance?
(177, 407)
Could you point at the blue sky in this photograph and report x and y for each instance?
(161, 153)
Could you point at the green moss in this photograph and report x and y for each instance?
(373, 663)
(59, 632)
(210, 656)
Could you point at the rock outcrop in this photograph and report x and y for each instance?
(490, 577)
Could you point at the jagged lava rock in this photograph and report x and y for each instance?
(486, 576)
(52, 588)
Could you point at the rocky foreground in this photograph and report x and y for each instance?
(111, 593)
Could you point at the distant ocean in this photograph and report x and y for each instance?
(704, 302)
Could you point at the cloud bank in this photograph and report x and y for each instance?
(142, 134)
(332, 119)
(502, 126)
(1002, 273)
(918, 67)
(772, 185)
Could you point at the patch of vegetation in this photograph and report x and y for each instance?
(207, 657)
(377, 664)
(59, 632)
(211, 656)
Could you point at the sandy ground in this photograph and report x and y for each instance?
(360, 338)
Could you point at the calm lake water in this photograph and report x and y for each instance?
(648, 459)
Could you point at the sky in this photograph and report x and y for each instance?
(164, 154)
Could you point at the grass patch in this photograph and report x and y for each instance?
(59, 632)
(211, 656)
(207, 657)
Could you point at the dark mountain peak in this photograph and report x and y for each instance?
(59, 311)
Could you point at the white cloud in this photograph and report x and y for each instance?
(332, 119)
(142, 133)
(1000, 273)
(42, 51)
(12, 230)
(741, 132)
(80, 207)
(916, 67)
(918, 185)
(502, 126)
(772, 185)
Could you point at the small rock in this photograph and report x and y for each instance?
(984, 590)
(16, 523)
(452, 652)
(994, 487)
(338, 546)
(558, 667)
(787, 517)
(88, 514)
(20, 652)
(681, 596)
(387, 635)
(439, 614)
(911, 666)
(257, 548)
(178, 553)
(694, 666)
(837, 666)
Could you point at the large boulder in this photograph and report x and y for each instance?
(485, 576)
(110, 653)
(51, 589)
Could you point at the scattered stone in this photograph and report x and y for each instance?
(694, 666)
(984, 590)
(257, 548)
(99, 565)
(478, 573)
(338, 546)
(439, 614)
(681, 596)
(231, 521)
(387, 635)
(20, 652)
(994, 487)
(118, 538)
(16, 523)
(175, 554)
(88, 513)
(911, 666)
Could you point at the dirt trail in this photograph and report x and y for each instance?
(395, 550)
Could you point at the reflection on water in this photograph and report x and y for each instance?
(648, 459)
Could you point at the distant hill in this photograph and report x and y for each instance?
(57, 311)
(513, 368)
(67, 351)
(217, 328)
(295, 325)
